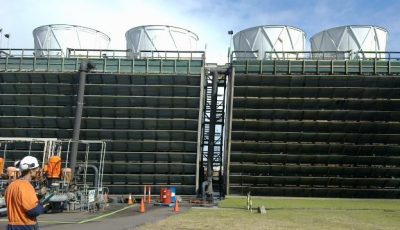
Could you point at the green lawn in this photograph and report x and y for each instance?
(290, 213)
(313, 203)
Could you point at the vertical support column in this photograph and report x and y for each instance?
(199, 129)
(221, 117)
(211, 140)
(228, 126)
(144, 192)
(85, 67)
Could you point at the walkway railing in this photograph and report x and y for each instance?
(166, 54)
(30, 53)
(315, 55)
(99, 53)
(308, 55)
(106, 61)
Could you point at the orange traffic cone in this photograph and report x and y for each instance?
(130, 201)
(176, 206)
(142, 207)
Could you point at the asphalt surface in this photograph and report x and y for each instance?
(116, 217)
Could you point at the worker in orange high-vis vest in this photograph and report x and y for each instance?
(22, 203)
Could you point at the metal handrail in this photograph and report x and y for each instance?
(97, 53)
(101, 53)
(200, 55)
(30, 52)
(169, 54)
(241, 54)
(378, 55)
(317, 55)
(307, 55)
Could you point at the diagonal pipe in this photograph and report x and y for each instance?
(84, 68)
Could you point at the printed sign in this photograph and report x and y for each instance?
(91, 195)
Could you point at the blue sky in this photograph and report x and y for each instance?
(209, 19)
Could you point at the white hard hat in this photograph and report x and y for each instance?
(28, 162)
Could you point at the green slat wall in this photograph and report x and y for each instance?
(316, 128)
(147, 110)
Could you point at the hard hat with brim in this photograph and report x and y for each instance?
(28, 163)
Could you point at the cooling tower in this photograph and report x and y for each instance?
(356, 39)
(160, 38)
(262, 41)
(61, 37)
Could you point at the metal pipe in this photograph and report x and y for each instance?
(203, 189)
(85, 67)
(96, 174)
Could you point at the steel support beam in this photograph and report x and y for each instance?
(211, 140)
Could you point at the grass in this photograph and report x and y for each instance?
(290, 213)
(314, 203)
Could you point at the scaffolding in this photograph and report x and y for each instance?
(212, 132)
(15, 148)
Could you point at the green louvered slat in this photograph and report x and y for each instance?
(109, 65)
(317, 67)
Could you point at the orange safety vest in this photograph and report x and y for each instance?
(20, 198)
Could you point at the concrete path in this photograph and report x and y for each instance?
(116, 217)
